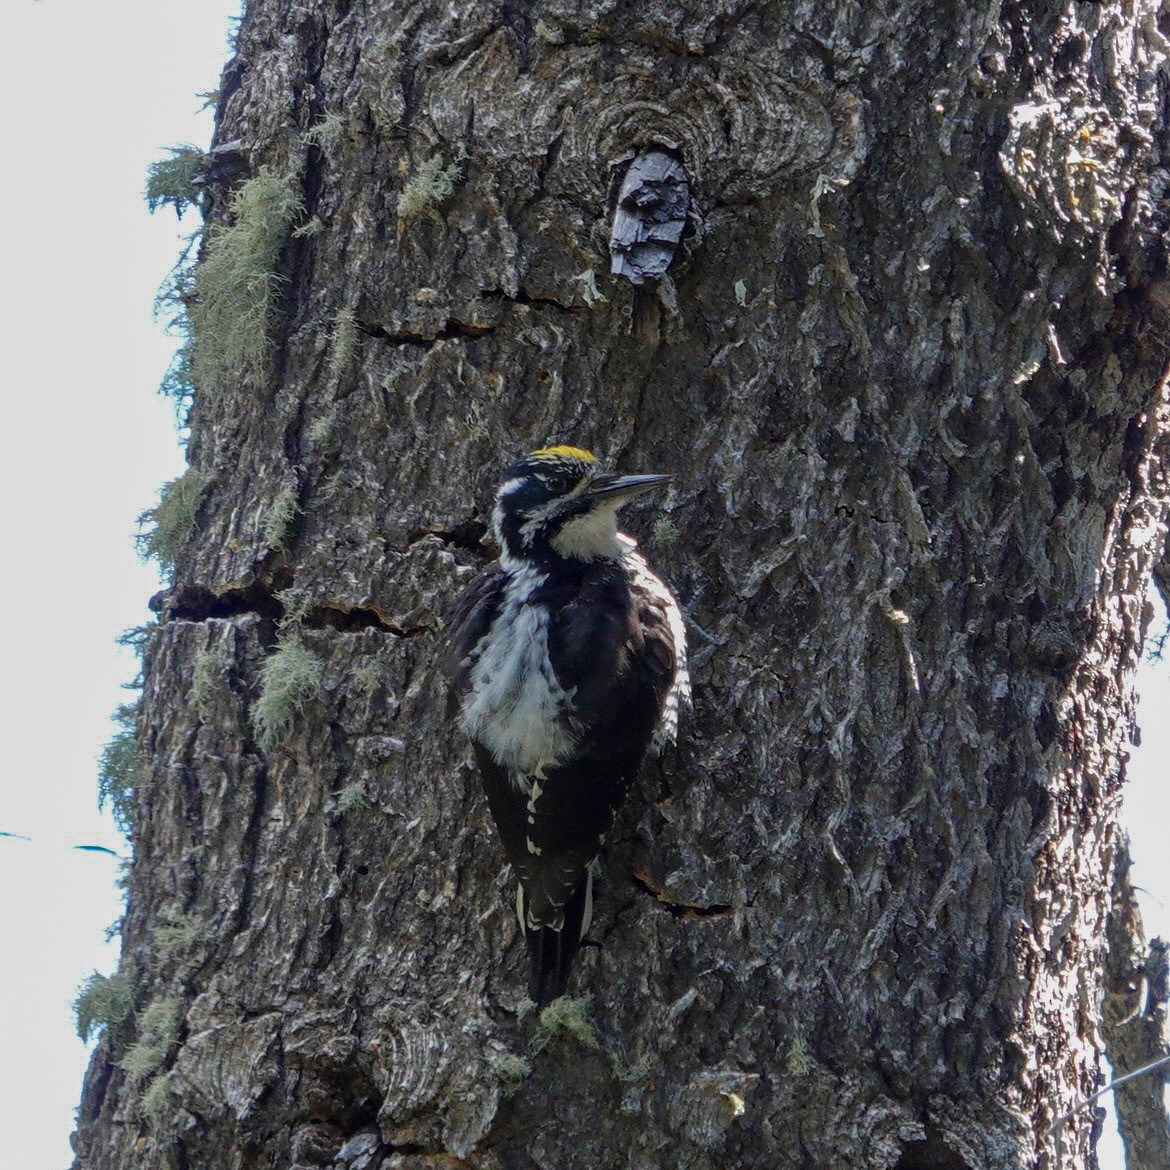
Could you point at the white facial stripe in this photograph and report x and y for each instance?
(588, 536)
(506, 489)
(509, 486)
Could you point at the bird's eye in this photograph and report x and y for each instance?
(556, 482)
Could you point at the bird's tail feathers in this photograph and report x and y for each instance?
(551, 950)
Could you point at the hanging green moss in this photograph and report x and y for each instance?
(104, 1002)
(170, 181)
(430, 184)
(173, 517)
(237, 286)
(118, 767)
(137, 638)
(156, 1028)
(172, 307)
(176, 382)
(290, 679)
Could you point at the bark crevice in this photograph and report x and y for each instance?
(451, 328)
(648, 884)
(353, 618)
(267, 601)
(523, 297)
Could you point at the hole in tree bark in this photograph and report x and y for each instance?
(930, 1154)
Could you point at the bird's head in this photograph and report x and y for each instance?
(558, 503)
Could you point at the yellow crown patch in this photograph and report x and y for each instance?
(564, 453)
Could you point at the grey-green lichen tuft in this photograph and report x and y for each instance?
(173, 517)
(321, 429)
(157, 1028)
(279, 518)
(104, 1002)
(328, 134)
(178, 936)
(430, 184)
(352, 798)
(314, 227)
(289, 680)
(155, 1099)
(796, 1063)
(366, 679)
(205, 680)
(571, 1015)
(664, 534)
(551, 34)
(118, 767)
(342, 341)
(237, 286)
(511, 1068)
(170, 181)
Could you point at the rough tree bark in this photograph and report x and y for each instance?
(908, 369)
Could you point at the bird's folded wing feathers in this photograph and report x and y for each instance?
(469, 620)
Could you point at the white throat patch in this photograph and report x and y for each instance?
(590, 537)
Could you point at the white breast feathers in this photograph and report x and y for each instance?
(515, 707)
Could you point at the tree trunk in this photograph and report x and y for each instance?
(907, 367)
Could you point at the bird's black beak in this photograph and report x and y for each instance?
(619, 488)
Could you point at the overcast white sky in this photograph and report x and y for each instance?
(93, 92)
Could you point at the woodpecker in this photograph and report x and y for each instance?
(567, 662)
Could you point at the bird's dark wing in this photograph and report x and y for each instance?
(662, 657)
(506, 800)
(613, 643)
(613, 649)
(554, 899)
(551, 828)
(470, 618)
(555, 830)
